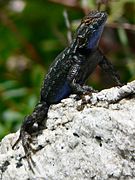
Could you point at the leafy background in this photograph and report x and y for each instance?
(32, 33)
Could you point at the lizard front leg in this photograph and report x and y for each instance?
(108, 67)
(73, 81)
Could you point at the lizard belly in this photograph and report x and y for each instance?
(61, 93)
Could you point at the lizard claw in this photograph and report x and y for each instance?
(120, 84)
(28, 130)
(17, 141)
(27, 141)
(28, 149)
(89, 89)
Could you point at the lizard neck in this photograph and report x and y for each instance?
(84, 51)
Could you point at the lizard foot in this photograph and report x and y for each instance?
(119, 85)
(28, 146)
(26, 143)
(83, 103)
(88, 90)
(27, 133)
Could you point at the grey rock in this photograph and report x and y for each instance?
(97, 142)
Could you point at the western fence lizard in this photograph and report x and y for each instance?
(68, 73)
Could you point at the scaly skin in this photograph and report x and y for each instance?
(68, 73)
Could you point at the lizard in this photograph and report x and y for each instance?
(68, 74)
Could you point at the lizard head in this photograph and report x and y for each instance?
(89, 32)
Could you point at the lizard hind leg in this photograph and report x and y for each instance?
(30, 128)
(25, 129)
(33, 123)
(88, 90)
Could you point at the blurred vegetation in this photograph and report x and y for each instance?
(32, 33)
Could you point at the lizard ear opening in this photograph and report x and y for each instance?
(81, 41)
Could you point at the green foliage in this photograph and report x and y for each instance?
(30, 39)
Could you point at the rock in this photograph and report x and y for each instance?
(94, 140)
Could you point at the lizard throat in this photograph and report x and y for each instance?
(94, 40)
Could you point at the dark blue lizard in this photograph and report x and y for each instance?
(68, 73)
